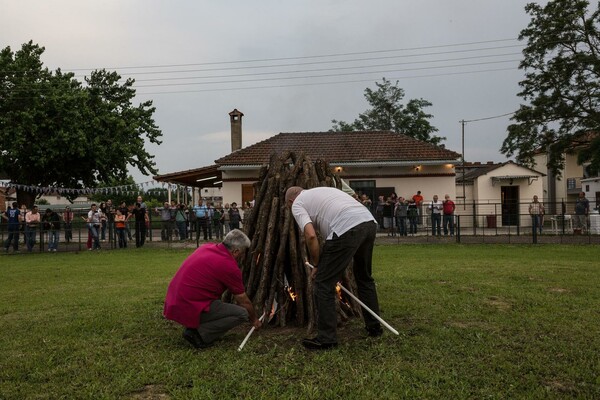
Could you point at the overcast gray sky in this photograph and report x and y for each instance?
(198, 60)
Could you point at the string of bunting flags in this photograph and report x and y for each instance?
(131, 189)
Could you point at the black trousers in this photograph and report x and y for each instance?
(356, 244)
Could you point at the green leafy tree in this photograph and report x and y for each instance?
(388, 113)
(123, 194)
(561, 86)
(57, 132)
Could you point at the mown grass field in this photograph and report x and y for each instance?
(475, 321)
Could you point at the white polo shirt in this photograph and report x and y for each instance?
(330, 210)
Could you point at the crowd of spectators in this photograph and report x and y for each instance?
(397, 215)
(121, 224)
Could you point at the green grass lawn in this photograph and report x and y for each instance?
(475, 321)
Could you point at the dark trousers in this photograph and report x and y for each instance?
(218, 230)
(121, 238)
(140, 233)
(182, 228)
(202, 224)
(68, 232)
(13, 237)
(401, 222)
(436, 222)
(30, 235)
(166, 230)
(448, 224)
(220, 318)
(356, 244)
(413, 225)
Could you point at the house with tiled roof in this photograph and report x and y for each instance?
(372, 162)
(502, 190)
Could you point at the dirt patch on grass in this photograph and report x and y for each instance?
(150, 392)
(558, 290)
(560, 387)
(498, 303)
(465, 324)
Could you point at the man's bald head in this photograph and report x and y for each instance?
(291, 194)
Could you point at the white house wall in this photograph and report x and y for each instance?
(396, 177)
(489, 192)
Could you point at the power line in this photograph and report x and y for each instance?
(320, 83)
(328, 69)
(320, 62)
(302, 57)
(299, 71)
(326, 75)
(303, 84)
(484, 119)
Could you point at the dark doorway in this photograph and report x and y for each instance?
(368, 188)
(510, 205)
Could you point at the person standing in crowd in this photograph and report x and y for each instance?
(210, 211)
(174, 229)
(379, 211)
(67, 217)
(181, 221)
(225, 218)
(582, 209)
(23, 228)
(234, 217)
(435, 208)
(388, 217)
(141, 201)
(449, 207)
(52, 227)
(125, 211)
(13, 217)
(103, 221)
(32, 221)
(202, 219)
(247, 210)
(366, 201)
(349, 231)
(141, 219)
(109, 214)
(401, 214)
(165, 222)
(94, 221)
(413, 216)
(194, 294)
(536, 210)
(120, 228)
(418, 199)
(217, 222)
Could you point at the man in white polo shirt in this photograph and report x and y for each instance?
(349, 230)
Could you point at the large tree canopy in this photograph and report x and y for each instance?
(58, 132)
(389, 114)
(562, 87)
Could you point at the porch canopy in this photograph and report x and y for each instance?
(204, 177)
(511, 178)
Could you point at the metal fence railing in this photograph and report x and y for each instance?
(492, 223)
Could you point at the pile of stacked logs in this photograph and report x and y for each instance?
(274, 269)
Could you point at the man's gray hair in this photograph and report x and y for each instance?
(236, 240)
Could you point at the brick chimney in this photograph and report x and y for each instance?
(236, 129)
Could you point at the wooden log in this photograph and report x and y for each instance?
(298, 277)
(267, 265)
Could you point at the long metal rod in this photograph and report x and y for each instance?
(363, 305)
(250, 333)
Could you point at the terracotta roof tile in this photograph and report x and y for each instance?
(358, 146)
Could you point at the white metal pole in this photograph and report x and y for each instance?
(377, 317)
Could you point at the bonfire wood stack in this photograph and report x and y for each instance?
(274, 270)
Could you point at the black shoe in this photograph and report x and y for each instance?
(315, 344)
(194, 338)
(375, 331)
